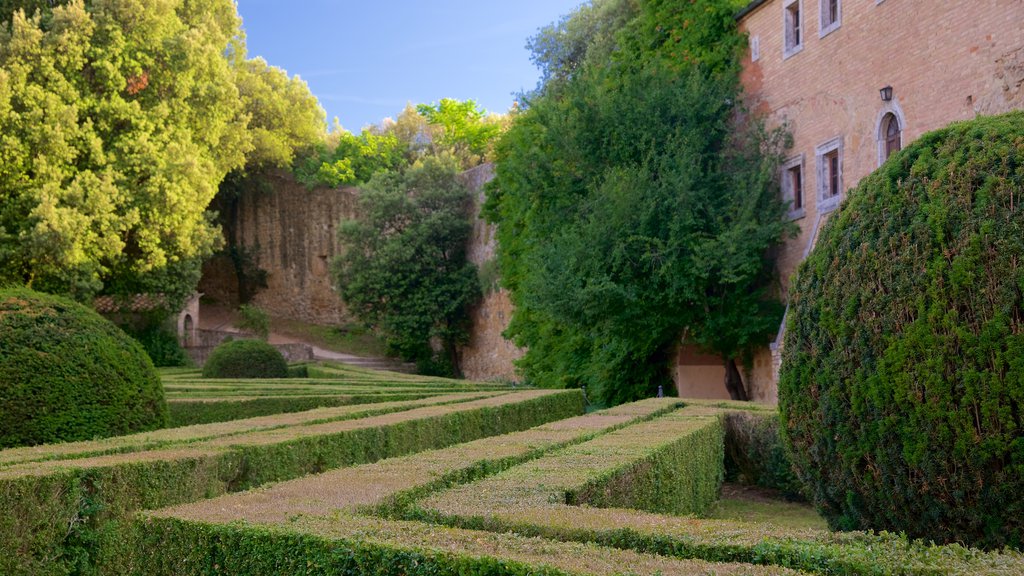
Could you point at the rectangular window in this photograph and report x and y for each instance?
(793, 186)
(831, 16)
(794, 27)
(830, 174)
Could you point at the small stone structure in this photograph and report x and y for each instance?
(126, 310)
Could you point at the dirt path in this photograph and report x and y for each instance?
(223, 320)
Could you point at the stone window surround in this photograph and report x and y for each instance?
(891, 107)
(826, 205)
(787, 50)
(787, 193)
(826, 29)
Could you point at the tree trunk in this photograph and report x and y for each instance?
(734, 381)
(453, 357)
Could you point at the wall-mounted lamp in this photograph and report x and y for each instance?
(886, 94)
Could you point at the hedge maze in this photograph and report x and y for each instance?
(462, 479)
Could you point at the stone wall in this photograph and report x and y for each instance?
(290, 231)
(488, 356)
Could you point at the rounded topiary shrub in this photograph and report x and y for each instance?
(902, 382)
(245, 359)
(66, 373)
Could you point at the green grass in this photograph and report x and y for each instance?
(777, 512)
(348, 339)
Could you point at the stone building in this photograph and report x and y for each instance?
(854, 81)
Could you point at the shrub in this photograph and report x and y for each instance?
(161, 344)
(755, 454)
(67, 374)
(902, 384)
(255, 320)
(245, 359)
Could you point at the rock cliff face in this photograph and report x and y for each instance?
(290, 232)
(488, 356)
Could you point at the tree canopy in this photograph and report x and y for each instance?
(119, 120)
(635, 207)
(404, 268)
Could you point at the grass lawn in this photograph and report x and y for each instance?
(753, 504)
(348, 339)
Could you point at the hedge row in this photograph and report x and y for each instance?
(190, 412)
(354, 545)
(670, 464)
(176, 437)
(755, 453)
(388, 485)
(56, 520)
(529, 500)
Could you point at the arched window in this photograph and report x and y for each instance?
(892, 136)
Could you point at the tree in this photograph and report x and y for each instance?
(118, 123)
(463, 129)
(635, 205)
(404, 268)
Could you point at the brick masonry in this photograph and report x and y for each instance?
(946, 61)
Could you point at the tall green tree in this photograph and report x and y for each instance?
(118, 122)
(404, 269)
(635, 208)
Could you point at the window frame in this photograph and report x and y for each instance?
(828, 203)
(824, 29)
(788, 50)
(788, 193)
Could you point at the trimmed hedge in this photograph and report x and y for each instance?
(179, 438)
(528, 500)
(353, 545)
(60, 516)
(388, 486)
(191, 412)
(756, 455)
(670, 464)
(67, 374)
(245, 359)
(902, 383)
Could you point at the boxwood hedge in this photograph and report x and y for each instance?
(66, 373)
(902, 382)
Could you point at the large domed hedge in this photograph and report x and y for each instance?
(66, 373)
(902, 383)
(245, 359)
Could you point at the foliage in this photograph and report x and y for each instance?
(111, 155)
(465, 130)
(903, 372)
(106, 173)
(404, 267)
(633, 208)
(255, 320)
(68, 374)
(284, 117)
(586, 37)
(245, 359)
(42, 507)
(160, 343)
(756, 455)
(459, 129)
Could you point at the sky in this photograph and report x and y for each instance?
(365, 59)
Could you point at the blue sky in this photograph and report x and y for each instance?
(364, 59)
